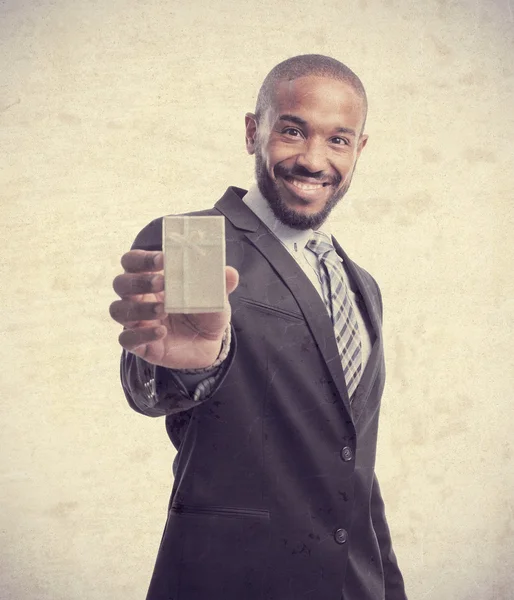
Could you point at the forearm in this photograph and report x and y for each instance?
(151, 390)
(157, 391)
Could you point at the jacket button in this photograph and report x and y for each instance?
(340, 536)
(346, 454)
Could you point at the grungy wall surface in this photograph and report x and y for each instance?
(114, 113)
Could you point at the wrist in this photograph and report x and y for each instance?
(223, 353)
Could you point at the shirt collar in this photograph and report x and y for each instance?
(292, 238)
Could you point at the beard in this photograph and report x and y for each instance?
(281, 210)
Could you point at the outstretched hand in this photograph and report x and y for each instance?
(176, 341)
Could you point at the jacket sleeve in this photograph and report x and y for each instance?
(393, 579)
(157, 391)
(394, 585)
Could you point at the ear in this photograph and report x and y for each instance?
(251, 132)
(363, 140)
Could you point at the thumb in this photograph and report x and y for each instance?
(231, 279)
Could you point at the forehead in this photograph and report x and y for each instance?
(318, 100)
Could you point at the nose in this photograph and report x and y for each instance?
(313, 157)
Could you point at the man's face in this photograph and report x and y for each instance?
(306, 147)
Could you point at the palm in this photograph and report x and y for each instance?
(191, 341)
(175, 341)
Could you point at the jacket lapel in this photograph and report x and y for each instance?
(372, 306)
(368, 295)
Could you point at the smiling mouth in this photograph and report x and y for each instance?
(306, 187)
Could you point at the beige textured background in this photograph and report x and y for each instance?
(114, 113)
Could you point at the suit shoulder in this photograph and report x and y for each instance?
(150, 237)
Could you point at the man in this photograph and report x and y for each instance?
(272, 404)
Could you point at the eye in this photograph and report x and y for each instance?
(339, 141)
(292, 131)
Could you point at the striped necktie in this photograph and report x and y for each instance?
(337, 299)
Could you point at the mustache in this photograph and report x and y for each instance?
(299, 171)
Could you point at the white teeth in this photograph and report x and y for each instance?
(306, 186)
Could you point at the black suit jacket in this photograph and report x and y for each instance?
(274, 496)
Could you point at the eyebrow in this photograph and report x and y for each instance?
(303, 123)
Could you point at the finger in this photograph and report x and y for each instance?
(125, 311)
(130, 284)
(140, 261)
(231, 278)
(131, 339)
(136, 324)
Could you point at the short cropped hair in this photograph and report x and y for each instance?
(303, 66)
